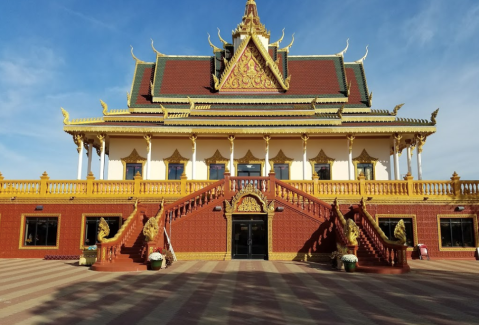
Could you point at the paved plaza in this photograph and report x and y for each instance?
(34, 291)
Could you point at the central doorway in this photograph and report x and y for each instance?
(249, 237)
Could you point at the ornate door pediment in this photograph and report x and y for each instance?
(249, 199)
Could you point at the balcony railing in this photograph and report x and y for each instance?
(454, 189)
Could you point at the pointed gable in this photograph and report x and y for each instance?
(251, 69)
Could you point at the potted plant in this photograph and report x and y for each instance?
(156, 259)
(349, 261)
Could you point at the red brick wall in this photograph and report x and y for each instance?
(69, 227)
(295, 232)
(204, 231)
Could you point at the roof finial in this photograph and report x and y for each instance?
(361, 60)
(344, 51)
(289, 46)
(153, 47)
(396, 109)
(66, 116)
(433, 116)
(215, 49)
(278, 41)
(225, 43)
(134, 57)
(105, 107)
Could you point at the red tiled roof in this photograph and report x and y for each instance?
(354, 95)
(186, 77)
(313, 77)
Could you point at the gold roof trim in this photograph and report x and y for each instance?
(364, 157)
(266, 100)
(384, 118)
(249, 158)
(425, 129)
(133, 118)
(286, 122)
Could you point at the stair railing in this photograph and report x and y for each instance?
(153, 232)
(340, 225)
(393, 252)
(302, 201)
(195, 201)
(109, 249)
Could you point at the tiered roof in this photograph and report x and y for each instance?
(250, 86)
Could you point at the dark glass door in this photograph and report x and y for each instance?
(249, 239)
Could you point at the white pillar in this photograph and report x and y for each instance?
(266, 155)
(90, 146)
(391, 162)
(193, 138)
(148, 155)
(101, 137)
(420, 140)
(397, 139)
(409, 154)
(305, 138)
(231, 138)
(80, 155)
(350, 158)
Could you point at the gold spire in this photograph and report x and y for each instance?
(251, 22)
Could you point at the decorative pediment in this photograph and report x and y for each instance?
(133, 158)
(176, 158)
(322, 158)
(216, 158)
(365, 158)
(281, 158)
(249, 158)
(249, 199)
(251, 69)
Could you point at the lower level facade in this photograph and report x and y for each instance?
(238, 217)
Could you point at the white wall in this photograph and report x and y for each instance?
(205, 148)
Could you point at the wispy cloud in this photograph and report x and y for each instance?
(89, 18)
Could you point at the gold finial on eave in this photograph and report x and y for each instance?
(349, 88)
(396, 109)
(105, 107)
(165, 112)
(192, 104)
(217, 82)
(134, 57)
(361, 60)
(313, 103)
(128, 97)
(153, 47)
(66, 116)
(225, 43)
(215, 49)
(370, 99)
(278, 41)
(286, 49)
(345, 50)
(433, 116)
(340, 112)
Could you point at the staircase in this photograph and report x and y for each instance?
(367, 254)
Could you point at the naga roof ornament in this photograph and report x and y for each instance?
(215, 49)
(345, 50)
(251, 22)
(153, 47)
(286, 49)
(278, 41)
(135, 58)
(225, 43)
(361, 60)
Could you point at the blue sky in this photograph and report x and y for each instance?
(71, 53)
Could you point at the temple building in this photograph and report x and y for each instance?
(247, 153)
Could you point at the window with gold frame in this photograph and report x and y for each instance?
(175, 160)
(388, 222)
(39, 231)
(457, 232)
(91, 233)
(281, 165)
(132, 161)
(366, 164)
(216, 166)
(249, 159)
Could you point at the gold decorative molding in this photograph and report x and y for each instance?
(365, 158)
(251, 190)
(249, 204)
(305, 139)
(231, 139)
(175, 158)
(79, 140)
(193, 138)
(281, 158)
(101, 138)
(266, 138)
(350, 138)
(420, 141)
(217, 158)
(103, 230)
(231, 100)
(23, 220)
(322, 158)
(458, 216)
(148, 142)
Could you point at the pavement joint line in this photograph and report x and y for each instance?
(109, 313)
(293, 311)
(341, 308)
(172, 304)
(222, 296)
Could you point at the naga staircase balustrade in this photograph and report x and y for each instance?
(340, 225)
(299, 200)
(109, 249)
(195, 201)
(393, 252)
(153, 232)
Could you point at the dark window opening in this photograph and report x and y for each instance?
(131, 170)
(281, 171)
(249, 170)
(217, 171)
(91, 228)
(41, 231)
(367, 170)
(175, 171)
(457, 232)
(323, 171)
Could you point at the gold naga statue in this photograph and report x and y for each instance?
(103, 230)
(351, 232)
(151, 228)
(400, 232)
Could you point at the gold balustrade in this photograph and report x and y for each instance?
(453, 189)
